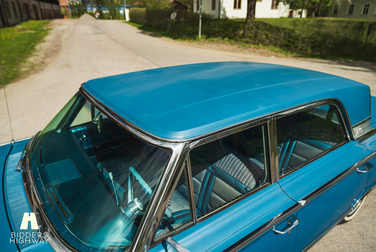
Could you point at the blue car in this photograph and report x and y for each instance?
(228, 156)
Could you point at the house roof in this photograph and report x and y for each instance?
(185, 102)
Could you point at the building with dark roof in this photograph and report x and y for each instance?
(13, 12)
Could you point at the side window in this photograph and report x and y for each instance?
(227, 168)
(178, 210)
(307, 134)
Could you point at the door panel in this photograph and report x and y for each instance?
(236, 225)
(370, 143)
(327, 188)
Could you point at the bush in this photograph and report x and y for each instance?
(329, 37)
(137, 15)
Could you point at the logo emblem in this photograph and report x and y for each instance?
(29, 217)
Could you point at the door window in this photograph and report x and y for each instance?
(303, 136)
(225, 169)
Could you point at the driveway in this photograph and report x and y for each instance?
(98, 48)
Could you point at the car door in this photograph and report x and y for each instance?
(233, 202)
(320, 167)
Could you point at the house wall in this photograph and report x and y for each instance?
(26, 10)
(263, 9)
(343, 8)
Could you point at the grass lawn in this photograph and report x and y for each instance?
(17, 44)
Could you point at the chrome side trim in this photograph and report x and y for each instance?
(362, 128)
(338, 178)
(252, 236)
(263, 228)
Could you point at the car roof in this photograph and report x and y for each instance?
(185, 102)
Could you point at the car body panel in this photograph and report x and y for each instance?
(185, 102)
(236, 222)
(5, 232)
(324, 208)
(17, 204)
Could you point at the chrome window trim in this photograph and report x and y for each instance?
(348, 136)
(273, 150)
(368, 126)
(228, 132)
(254, 123)
(362, 121)
(335, 102)
(309, 198)
(172, 189)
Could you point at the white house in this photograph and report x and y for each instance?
(238, 9)
(359, 9)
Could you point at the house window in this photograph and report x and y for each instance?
(274, 5)
(237, 4)
(213, 4)
(350, 11)
(335, 10)
(197, 4)
(365, 8)
(7, 11)
(14, 10)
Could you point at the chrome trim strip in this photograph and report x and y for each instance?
(6, 143)
(338, 178)
(155, 211)
(357, 124)
(273, 150)
(263, 228)
(192, 202)
(334, 102)
(252, 236)
(228, 132)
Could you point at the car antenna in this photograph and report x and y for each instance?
(6, 101)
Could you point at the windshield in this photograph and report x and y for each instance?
(94, 177)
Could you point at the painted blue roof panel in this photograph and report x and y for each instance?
(185, 102)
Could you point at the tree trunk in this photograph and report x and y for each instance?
(314, 9)
(251, 13)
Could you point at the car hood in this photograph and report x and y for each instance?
(14, 204)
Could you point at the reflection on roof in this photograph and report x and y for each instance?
(185, 102)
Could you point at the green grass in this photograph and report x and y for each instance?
(17, 44)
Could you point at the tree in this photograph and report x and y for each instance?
(156, 4)
(312, 6)
(251, 13)
(77, 8)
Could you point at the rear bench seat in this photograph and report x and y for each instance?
(215, 182)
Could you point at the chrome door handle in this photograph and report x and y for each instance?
(360, 171)
(367, 166)
(296, 222)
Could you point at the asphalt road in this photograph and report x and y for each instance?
(92, 49)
